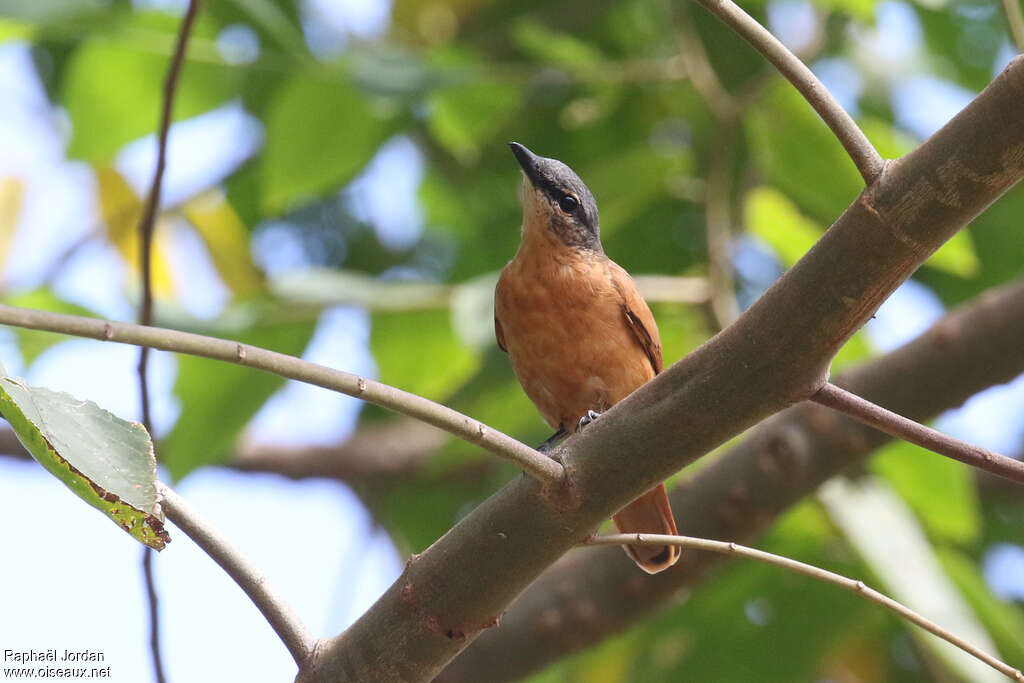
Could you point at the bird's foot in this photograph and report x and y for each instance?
(587, 419)
(553, 440)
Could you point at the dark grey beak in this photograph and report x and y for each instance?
(528, 160)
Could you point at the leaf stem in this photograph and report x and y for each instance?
(539, 466)
(900, 427)
(857, 587)
(289, 628)
(857, 145)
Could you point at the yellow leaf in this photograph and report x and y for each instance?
(11, 192)
(121, 210)
(227, 240)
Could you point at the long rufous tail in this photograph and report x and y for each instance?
(649, 514)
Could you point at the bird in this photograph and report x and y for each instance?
(579, 335)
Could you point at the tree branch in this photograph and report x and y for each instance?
(797, 567)
(775, 354)
(744, 490)
(278, 614)
(374, 451)
(900, 427)
(857, 145)
(1015, 18)
(146, 307)
(544, 469)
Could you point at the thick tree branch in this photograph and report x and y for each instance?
(540, 466)
(857, 145)
(916, 433)
(278, 614)
(797, 567)
(743, 491)
(777, 353)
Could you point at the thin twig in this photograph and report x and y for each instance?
(536, 464)
(702, 75)
(902, 428)
(857, 145)
(1016, 20)
(146, 306)
(858, 587)
(153, 600)
(279, 615)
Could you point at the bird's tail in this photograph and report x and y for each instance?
(649, 514)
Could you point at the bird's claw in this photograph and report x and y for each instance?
(587, 419)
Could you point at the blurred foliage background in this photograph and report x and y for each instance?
(354, 154)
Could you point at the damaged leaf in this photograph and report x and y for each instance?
(108, 462)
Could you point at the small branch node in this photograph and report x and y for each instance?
(240, 352)
(108, 331)
(360, 386)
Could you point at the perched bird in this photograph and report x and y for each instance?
(578, 333)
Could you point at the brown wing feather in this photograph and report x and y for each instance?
(638, 316)
(499, 334)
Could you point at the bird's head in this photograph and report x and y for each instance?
(555, 199)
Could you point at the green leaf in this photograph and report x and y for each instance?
(940, 491)
(856, 350)
(320, 134)
(218, 399)
(12, 29)
(465, 117)
(418, 351)
(890, 141)
(1004, 620)
(113, 86)
(108, 462)
(33, 342)
(859, 9)
(797, 153)
(554, 47)
(773, 217)
(883, 530)
(957, 256)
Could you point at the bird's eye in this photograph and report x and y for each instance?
(568, 203)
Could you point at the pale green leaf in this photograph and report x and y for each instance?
(108, 462)
(418, 351)
(773, 217)
(555, 47)
(218, 399)
(880, 526)
(320, 134)
(957, 256)
(113, 87)
(940, 491)
(465, 117)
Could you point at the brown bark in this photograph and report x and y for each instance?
(594, 592)
(775, 355)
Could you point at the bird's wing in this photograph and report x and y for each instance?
(499, 334)
(638, 316)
